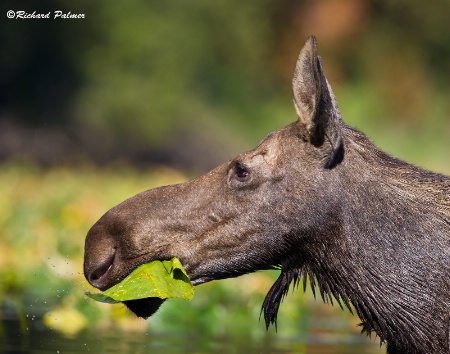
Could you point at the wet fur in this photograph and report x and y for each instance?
(399, 271)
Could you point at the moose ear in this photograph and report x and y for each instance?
(314, 101)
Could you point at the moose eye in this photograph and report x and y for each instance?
(241, 172)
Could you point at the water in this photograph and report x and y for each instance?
(32, 336)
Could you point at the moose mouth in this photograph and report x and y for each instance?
(143, 307)
(146, 307)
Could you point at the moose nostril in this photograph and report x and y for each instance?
(96, 276)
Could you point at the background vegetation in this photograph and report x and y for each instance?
(191, 84)
(93, 111)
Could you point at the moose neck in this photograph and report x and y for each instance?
(383, 234)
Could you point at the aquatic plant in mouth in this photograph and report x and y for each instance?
(161, 279)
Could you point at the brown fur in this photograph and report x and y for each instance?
(315, 198)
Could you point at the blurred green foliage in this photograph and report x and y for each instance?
(174, 64)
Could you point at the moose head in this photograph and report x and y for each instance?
(316, 199)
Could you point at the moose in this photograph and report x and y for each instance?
(316, 199)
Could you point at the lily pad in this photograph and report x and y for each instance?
(163, 279)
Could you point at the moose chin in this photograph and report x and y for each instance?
(318, 200)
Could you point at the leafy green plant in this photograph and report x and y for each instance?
(163, 279)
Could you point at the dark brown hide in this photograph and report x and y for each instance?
(315, 198)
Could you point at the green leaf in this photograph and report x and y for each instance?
(163, 279)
